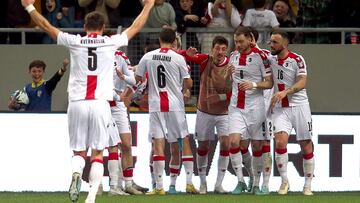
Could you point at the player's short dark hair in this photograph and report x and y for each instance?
(259, 3)
(220, 40)
(94, 21)
(254, 32)
(167, 35)
(283, 34)
(37, 64)
(246, 31)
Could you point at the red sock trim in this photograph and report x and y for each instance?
(187, 159)
(202, 152)
(224, 152)
(257, 154)
(234, 150)
(244, 151)
(113, 156)
(158, 158)
(281, 151)
(97, 160)
(266, 149)
(174, 170)
(128, 173)
(308, 156)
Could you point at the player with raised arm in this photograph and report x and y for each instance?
(168, 79)
(291, 109)
(90, 88)
(215, 88)
(247, 109)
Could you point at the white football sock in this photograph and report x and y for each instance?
(236, 161)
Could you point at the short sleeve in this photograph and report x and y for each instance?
(274, 22)
(246, 21)
(66, 39)
(141, 69)
(301, 66)
(184, 71)
(120, 40)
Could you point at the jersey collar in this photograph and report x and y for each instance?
(35, 85)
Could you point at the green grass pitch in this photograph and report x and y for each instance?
(61, 197)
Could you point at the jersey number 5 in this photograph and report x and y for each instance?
(92, 59)
(161, 76)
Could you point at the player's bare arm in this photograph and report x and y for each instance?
(39, 19)
(140, 21)
(138, 79)
(229, 71)
(187, 84)
(191, 52)
(266, 84)
(299, 85)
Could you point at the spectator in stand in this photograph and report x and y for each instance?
(39, 91)
(188, 15)
(127, 11)
(162, 15)
(3, 22)
(103, 6)
(259, 17)
(347, 15)
(17, 17)
(54, 15)
(315, 13)
(220, 14)
(75, 14)
(281, 9)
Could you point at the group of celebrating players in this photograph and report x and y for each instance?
(249, 98)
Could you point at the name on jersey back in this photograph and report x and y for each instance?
(92, 41)
(161, 58)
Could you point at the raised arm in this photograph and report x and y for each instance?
(140, 21)
(39, 19)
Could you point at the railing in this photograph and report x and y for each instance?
(342, 31)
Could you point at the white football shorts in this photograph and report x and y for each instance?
(121, 117)
(247, 122)
(297, 117)
(89, 122)
(169, 125)
(114, 138)
(206, 124)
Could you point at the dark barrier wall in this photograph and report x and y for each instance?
(332, 82)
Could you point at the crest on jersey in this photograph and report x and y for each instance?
(39, 93)
(300, 64)
(249, 60)
(286, 64)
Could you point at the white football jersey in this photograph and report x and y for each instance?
(166, 71)
(92, 64)
(267, 92)
(285, 72)
(261, 19)
(122, 63)
(253, 67)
